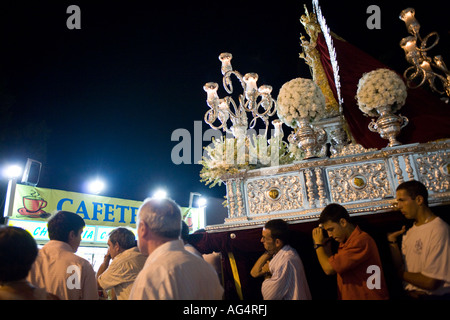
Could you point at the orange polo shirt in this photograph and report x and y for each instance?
(351, 264)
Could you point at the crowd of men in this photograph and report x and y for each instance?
(161, 266)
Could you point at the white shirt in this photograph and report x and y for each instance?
(122, 272)
(288, 281)
(172, 273)
(426, 249)
(60, 271)
(190, 248)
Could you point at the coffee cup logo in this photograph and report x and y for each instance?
(33, 205)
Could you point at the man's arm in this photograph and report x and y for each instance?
(421, 281)
(323, 251)
(415, 278)
(324, 254)
(261, 266)
(103, 267)
(395, 250)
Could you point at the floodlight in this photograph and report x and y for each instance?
(160, 194)
(96, 186)
(201, 202)
(12, 171)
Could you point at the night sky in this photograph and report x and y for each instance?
(104, 100)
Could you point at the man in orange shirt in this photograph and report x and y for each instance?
(357, 262)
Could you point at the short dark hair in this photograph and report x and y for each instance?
(279, 229)
(124, 237)
(334, 212)
(18, 250)
(415, 188)
(184, 231)
(60, 225)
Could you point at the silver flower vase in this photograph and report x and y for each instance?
(308, 138)
(388, 125)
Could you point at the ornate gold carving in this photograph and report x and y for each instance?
(433, 171)
(312, 58)
(397, 170)
(290, 194)
(366, 181)
(320, 187)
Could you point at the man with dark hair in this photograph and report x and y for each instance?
(65, 226)
(281, 265)
(423, 259)
(127, 263)
(18, 250)
(57, 268)
(357, 259)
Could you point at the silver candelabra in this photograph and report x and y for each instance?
(423, 69)
(256, 100)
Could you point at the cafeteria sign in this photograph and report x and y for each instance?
(37, 204)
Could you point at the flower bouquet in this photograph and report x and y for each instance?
(380, 94)
(300, 98)
(380, 88)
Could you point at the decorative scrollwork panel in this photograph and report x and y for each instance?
(275, 194)
(434, 171)
(366, 181)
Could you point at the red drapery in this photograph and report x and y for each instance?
(429, 117)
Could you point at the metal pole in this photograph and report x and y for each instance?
(9, 202)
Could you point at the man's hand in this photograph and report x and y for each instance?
(392, 237)
(318, 236)
(261, 267)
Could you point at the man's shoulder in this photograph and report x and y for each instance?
(441, 225)
(362, 236)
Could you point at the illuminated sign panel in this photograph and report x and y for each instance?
(39, 231)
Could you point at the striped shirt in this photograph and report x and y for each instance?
(288, 281)
(172, 273)
(122, 272)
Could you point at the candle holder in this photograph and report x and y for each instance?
(424, 69)
(256, 100)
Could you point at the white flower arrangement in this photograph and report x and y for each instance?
(380, 88)
(300, 98)
(220, 159)
(230, 155)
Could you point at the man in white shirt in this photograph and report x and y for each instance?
(126, 265)
(281, 265)
(425, 247)
(57, 268)
(170, 272)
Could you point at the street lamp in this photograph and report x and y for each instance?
(160, 194)
(200, 204)
(11, 172)
(96, 186)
